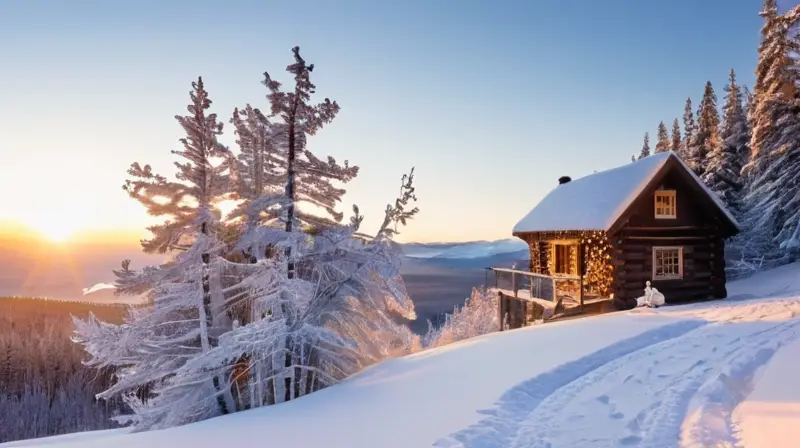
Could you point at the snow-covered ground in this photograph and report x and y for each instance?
(718, 374)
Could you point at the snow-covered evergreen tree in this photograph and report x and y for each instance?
(689, 128)
(184, 318)
(309, 180)
(325, 302)
(749, 112)
(663, 143)
(645, 147)
(676, 137)
(201, 181)
(332, 318)
(773, 207)
(261, 160)
(706, 136)
(723, 173)
(774, 84)
(479, 315)
(735, 131)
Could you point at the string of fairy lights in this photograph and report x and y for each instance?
(599, 276)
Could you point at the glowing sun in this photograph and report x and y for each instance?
(58, 230)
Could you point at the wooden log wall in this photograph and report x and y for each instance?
(703, 262)
(538, 256)
(598, 272)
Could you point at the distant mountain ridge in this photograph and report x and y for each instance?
(34, 267)
(427, 257)
(463, 250)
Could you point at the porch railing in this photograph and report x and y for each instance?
(530, 285)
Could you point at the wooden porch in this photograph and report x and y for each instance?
(528, 297)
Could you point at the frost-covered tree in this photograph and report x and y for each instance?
(723, 173)
(706, 136)
(676, 137)
(689, 127)
(479, 315)
(663, 143)
(735, 132)
(261, 161)
(323, 302)
(332, 318)
(184, 316)
(773, 208)
(775, 83)
(309, 180)
(749, 111)
(645, 147)
(201, 181)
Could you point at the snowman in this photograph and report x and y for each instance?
(651, 298)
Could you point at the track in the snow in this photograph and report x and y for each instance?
(635, 392)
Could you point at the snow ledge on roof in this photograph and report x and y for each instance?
(596, 201)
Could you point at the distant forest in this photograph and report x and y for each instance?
(44, 388)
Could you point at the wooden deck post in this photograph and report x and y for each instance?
(502, 311)
(581, 271)
(514, 283)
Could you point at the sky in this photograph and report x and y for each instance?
(491, 101)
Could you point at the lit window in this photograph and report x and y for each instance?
(665, 204)
(667, 263)
(565, 259)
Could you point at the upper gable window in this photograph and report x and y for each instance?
(665, 204)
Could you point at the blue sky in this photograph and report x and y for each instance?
(492, 101)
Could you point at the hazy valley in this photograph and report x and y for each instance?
(438, 276)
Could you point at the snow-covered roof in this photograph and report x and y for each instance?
(597, 201)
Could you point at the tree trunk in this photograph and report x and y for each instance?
(209, 317)
(290, 178)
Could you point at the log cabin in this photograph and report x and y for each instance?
(601, 237)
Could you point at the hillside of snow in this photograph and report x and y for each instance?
(714, 374)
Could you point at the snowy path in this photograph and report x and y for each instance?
(678, 382)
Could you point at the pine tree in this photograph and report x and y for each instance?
(200, 182)
(332, 318)
(645, 147)
(773, 211)
(663, 143)
(261, 180)
(185, 315)
(774, 85)
(300, 329)
(308, 179)
(706, 137)
(689, 127)
(261, 161)
(676, 137)
(735, 131)
(723, 174)
(749, 111)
